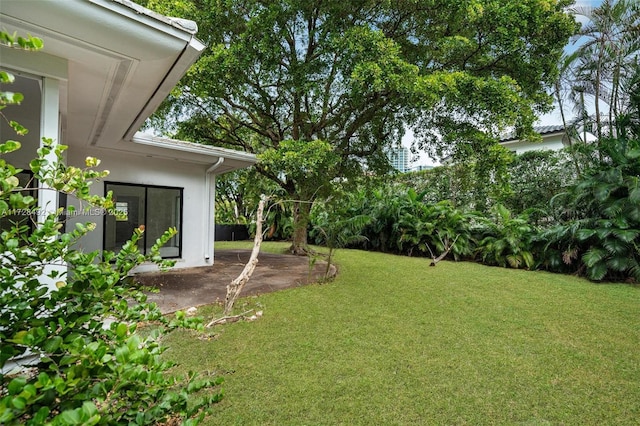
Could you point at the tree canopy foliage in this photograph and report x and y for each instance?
(356, 74)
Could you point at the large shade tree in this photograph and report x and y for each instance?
(340, 81)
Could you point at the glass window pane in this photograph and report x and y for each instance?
(119, 229)
(164, 207)
(28, 113)
(157, 208)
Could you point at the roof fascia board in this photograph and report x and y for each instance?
(140, 14)
(189, 55)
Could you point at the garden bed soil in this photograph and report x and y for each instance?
(180, 289)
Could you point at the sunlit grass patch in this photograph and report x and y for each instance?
(394, 341)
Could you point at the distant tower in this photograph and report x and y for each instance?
(399, 159)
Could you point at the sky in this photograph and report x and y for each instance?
(593, 3)
(545, 120)
(554, 116)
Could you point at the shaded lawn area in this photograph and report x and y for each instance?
(393, 341)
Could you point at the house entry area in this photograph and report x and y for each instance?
(158, 208)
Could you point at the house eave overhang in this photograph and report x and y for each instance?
(513, 141)
(121, 61)
(173, 149)
(117, 62)
(191, 52)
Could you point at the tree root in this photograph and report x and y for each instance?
(301, 251)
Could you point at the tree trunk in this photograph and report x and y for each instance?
(301, 212)
(597, 96)
(236, 286)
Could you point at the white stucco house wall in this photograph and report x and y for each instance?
(553, 138)
(105, 67)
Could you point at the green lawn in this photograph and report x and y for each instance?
(393, 341)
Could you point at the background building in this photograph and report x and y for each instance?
(399, 158)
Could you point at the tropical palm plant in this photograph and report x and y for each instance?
(384, 209)
(336, 230)
(602, 233)
(605, 59)
(507, 240)
(434, 228)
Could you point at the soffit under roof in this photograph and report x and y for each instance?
(118, 61)
(121, 61)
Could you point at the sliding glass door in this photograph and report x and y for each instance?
(157, 208)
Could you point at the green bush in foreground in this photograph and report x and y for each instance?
(70, 352)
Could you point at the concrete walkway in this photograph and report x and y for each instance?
(181, 289)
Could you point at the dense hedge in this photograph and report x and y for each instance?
(548, 217)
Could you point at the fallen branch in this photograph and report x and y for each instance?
(228, 318)
(236, 286)
(447, 249)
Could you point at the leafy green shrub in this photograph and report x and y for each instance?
(279, 221)
(401, 222)
(336, 224)
(535, 177)
(599, 234)
(438, 228)
(506, 240)
(91, 367)
(454, 182)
